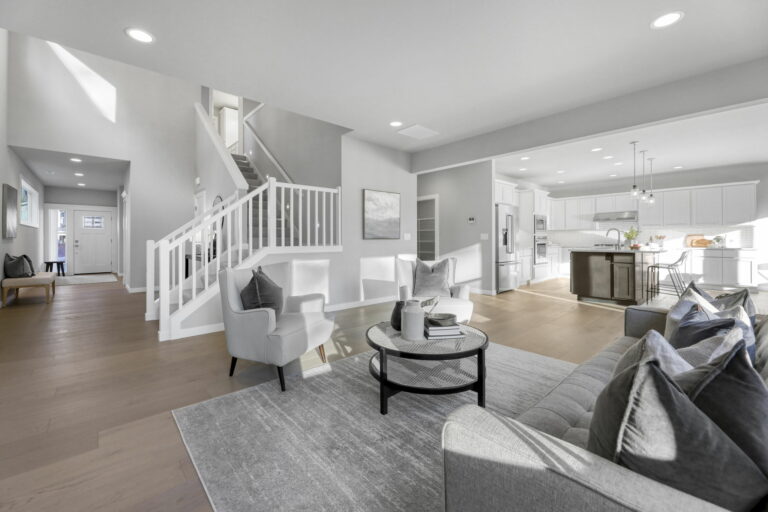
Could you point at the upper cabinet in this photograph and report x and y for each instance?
(739, 203)
(625, 202)
(652, 214)
(505, 193)
(572, 214)
(707, 205)
(605, 204)
(587, 212)
(556, 214)
(541, 202)
(677, 207)
(615, 203)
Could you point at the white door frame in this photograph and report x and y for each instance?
(428, 197)
(70, 209)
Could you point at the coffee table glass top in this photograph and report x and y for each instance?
(382, 335)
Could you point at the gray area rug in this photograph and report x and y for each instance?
(322, 445)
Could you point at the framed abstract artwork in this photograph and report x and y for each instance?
(10, 211)
(381, 215)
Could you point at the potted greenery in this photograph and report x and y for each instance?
(631, 236)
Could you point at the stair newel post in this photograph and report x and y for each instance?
(272, 212)
(151, 313)
(165, 289)
(338, 213)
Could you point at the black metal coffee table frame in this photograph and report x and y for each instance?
(388, 388)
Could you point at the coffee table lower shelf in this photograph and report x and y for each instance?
(428, 377)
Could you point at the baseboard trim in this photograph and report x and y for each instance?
(187, 332)
(482, 292)
(140, 289)
(350, 305)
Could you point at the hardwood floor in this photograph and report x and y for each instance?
(86, 390)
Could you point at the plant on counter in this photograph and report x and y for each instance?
(631, 234)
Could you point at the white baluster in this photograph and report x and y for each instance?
(193, 264)
(282, 216)
(150, 295)
(250, 227)
(229, 239)
(338, 216)
(325, 242)
(204, 256)
(301, 222)
(290, 222)
(261, 220)
(314, 221)
(272, 212)
(181, 273)
(239, 234)
(165, 288)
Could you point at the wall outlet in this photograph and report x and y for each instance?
(483, 236)
(471, 220)
(406, 236)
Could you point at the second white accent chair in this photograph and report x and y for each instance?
(255, 334)
(458, 303)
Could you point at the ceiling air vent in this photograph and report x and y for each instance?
(417, 132)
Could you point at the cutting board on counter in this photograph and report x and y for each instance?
(697, 241)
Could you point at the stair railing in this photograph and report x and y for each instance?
(275, 217)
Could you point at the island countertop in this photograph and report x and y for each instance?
(617, 251)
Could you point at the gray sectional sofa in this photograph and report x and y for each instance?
(539, 460)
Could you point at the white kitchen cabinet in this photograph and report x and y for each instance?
(727, 267)
(738, 271)
(572, 214)
(652, 214)
(541, 272)
(605, 204)
(557, 214)
(505, 193)
(497, 192)
(586, 213)
(739, 203)
(677, 208)
(553, 255)
(541, 202)
(707, 206)
(526, 269)
(625, 202)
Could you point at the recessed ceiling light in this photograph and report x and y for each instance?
(560, 182)
(525, 158)
(607, 157)
(139, 35)
(595, 150)
(81, 184)
(618, 163)
(523, 168)
(75, 159)
(678, 167)
(79, 174)
(667, 20)
(396, 124)
(611, 175)
(561, 171)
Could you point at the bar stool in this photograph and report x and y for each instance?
(673, 269)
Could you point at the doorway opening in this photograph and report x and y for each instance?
(427, 235)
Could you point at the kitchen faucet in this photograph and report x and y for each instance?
(618, 236)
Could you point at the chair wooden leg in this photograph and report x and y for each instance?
(232, 366)
(321, 349)
(282, 377)
(48, 294)
(5, 296)
(53, 287)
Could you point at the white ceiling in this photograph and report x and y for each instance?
(459, 68)
(731, 137)
(55, 169)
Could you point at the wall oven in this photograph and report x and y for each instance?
(540, 244)
(539, 223)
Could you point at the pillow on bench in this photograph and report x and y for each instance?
(18, 266)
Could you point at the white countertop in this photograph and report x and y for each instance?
(606, 250)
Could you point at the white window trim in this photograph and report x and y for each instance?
(34, 205)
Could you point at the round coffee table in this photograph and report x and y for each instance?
(431, 367)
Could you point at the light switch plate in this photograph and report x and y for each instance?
(406, 236)
(483, 236)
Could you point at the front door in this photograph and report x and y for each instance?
(93, 242)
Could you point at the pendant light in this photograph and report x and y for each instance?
(643, 195)
(634, 190)
(651, 199)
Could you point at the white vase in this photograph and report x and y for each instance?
(412, 321)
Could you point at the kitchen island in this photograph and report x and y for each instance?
(616, 276)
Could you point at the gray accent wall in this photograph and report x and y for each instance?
(80, 196)
(29, 240)
(465, 192)
(308, 149)
(154, 129)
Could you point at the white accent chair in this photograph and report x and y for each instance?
(458, 303)
(253, 334)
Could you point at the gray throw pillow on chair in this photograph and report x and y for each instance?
(262, 292)
(645, 422)
(432, 281)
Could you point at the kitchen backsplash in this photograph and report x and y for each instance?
(738, 237)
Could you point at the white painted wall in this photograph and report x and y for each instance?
(28, 240)
(465, 192)
(63, 195)
(154, 129)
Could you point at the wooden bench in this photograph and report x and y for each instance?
(46, 280)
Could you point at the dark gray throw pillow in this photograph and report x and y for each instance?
(432, 281)
(653, 346)
(728, 300)
(696, 326)
(262, 292)
(18, 266)
(733, 395)
(643, 421)
(710, 349)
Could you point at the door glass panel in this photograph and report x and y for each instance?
(93, 222)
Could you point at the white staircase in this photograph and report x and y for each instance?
(272, 218)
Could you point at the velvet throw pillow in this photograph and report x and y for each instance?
(710, 349)
(653, 347)
(645, 422)
(697, 325)
(262, 292)
(432, 281)
(688, 299)
(728, 300)
(18, 266)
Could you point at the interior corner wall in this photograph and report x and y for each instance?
(465, 192)
(28, 240)
(153, 129)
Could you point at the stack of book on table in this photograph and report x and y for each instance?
(434, 331)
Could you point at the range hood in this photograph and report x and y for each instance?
(625, 216)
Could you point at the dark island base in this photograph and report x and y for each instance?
(611, 277)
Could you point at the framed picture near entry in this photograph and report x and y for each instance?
(381, 215)
(10, 211)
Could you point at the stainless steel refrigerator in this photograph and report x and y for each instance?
(507, 262)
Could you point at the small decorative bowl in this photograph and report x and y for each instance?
(442, 319)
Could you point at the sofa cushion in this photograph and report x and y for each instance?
(566, 411)
(39, 279)
(741, 319)
(645, 422)
(688, 300)
(653, 346)
(431, 281)
(711, 348)
(733, 395)
(728, 300)
(761, 348)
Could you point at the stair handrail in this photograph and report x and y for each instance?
(199, 218)
(252, 131)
